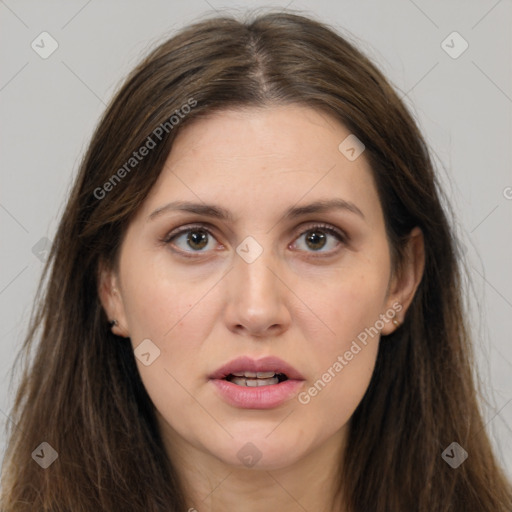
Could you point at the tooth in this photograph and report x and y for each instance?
(245, 374)
(253, 375)
(254, 383)
(268, 382)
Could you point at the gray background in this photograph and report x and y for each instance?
(49, 108)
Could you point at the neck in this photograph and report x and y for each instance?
(211, 485)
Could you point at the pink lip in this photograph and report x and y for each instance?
(263, 397)
(266, 364)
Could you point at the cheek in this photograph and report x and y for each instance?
(344, 361)
(175, 311)
(350, 304)
(169, 312)
(337, 392)
(159, 300)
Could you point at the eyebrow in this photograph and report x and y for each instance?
(218, 212)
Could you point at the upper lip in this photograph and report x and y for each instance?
(265, 364)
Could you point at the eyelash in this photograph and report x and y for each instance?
(327, 228)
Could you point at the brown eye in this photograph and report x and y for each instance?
(191, 240)
(316, 239)
(197, 239)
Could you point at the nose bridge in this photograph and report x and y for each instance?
(258, 296)
(258, 282)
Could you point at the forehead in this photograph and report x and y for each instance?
(267, 158)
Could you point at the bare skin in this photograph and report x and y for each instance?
(304, 299)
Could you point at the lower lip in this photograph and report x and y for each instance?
(262, 397)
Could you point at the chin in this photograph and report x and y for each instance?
(261, 451)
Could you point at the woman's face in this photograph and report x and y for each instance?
(258, 270)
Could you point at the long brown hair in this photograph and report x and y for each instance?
(82, 393)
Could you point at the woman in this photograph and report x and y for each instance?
(254, 298)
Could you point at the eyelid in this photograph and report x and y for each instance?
(187, 227)
(330, 228)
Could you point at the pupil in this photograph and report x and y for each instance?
(316, 238)
(197, 237)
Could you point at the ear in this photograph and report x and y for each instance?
(111, 299)
(406, 280)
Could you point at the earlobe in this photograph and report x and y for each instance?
(406, 283)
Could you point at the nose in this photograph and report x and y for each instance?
(257, 298)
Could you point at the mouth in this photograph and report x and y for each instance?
(256, 379)
(245, 371)
(257, 384)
